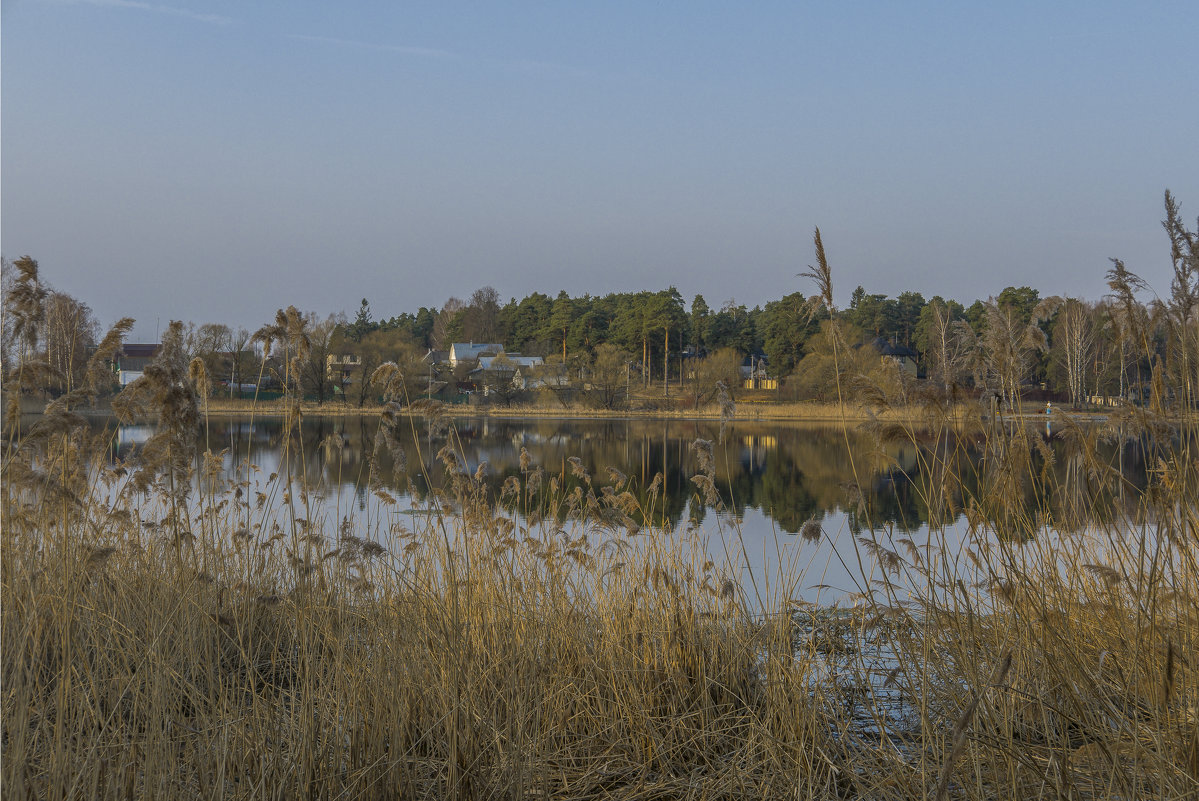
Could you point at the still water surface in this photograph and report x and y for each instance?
(773, 478)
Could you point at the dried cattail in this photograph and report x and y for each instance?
(197, 373)
(1105, 573)
(617, 478)
(510, 489)
(707, 488)
(811, 530)
(387, 376)
(887, 559)
(577, 469)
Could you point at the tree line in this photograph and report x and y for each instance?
(1116, 346)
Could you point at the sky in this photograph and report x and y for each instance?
(215, 161)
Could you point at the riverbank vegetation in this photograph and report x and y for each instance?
(648, 351)
(177, 624)
(173, 628)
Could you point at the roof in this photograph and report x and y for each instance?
(134, 350)
(508, 362)
(465, 351)
(885, 348)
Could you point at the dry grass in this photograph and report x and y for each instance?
(238, 640)
(238, 655)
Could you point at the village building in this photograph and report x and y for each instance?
(132, 359)
(904, 357)
(754, 374)
(340, 367)
(469, 352)
(510, 367)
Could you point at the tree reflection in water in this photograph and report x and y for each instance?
(784, 473)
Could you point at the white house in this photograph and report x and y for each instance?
(132, 359)
(469, 351)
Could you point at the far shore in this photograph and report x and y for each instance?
(745, 411)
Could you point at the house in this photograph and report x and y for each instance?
(754, 375)
(468, 352)
(132, 359)
(505, 367)
(436, 357)
(903, 356)
(340, 367)
(536, 376)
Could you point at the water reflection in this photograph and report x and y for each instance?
(785, 473)
(773, 480)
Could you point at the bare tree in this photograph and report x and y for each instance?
(1008, 347)
(499, 380)
(315, 378)
(9, 347)
(721, 367)
(211, 343)
(608, 378)
(1074, 344)
(448, 324)
(952, 346)
(481, 321)
(241, 358)
(378, 348)
(70, 333)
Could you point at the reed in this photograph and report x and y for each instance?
(180, 625)
(471, 654)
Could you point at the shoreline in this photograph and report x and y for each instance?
(746, 412)
(754, 411)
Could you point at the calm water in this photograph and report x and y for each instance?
(772, 477)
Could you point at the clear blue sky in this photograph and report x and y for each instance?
(213, 161)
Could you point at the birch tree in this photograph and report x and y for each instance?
(1074, 344)
(949, 345)
(1009, 345)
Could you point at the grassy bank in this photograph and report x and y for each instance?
(243, 640)
(744, 410)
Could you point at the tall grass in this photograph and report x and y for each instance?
(471, 656)
(181, 626)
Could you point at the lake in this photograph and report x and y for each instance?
(773, 479)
